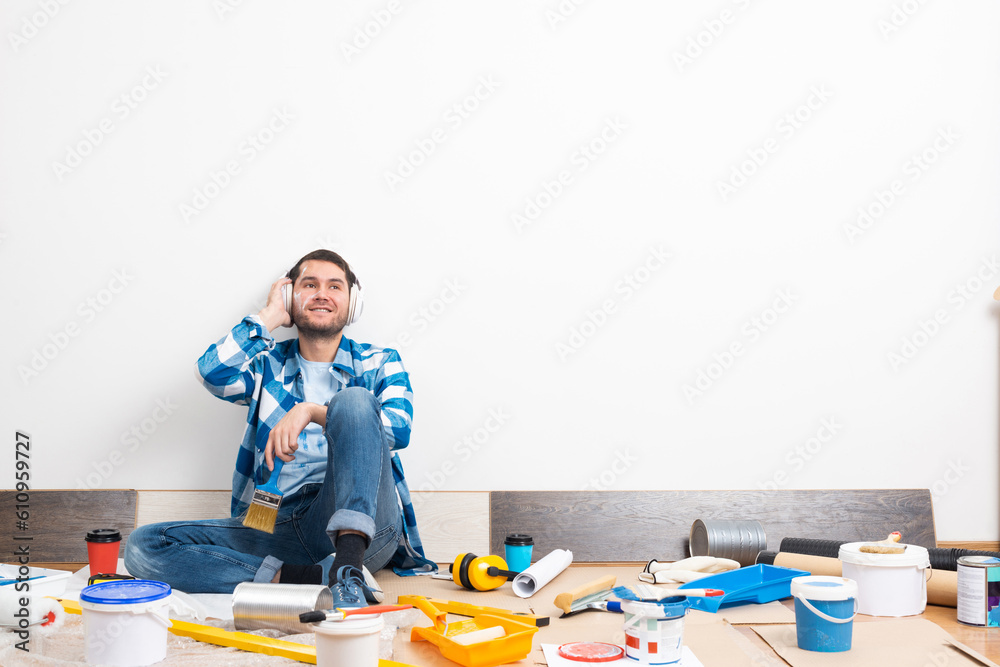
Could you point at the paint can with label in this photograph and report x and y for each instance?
(979, 591)
(654, 631)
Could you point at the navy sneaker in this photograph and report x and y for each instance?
(349, 588)
(373, 592)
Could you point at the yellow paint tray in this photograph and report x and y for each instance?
(514, 646)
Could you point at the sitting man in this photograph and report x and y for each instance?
(334, 411)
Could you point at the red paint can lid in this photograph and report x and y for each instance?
(591, 652)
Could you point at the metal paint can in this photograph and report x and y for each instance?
(979, 591)
(737, 540)
(277, 606)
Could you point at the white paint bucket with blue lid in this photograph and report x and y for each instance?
(654, 631)
(824, 612)
(125, 622)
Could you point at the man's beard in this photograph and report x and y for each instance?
(310, 330)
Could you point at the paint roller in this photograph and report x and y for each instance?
(20, 611)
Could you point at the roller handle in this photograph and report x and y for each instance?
(439, 617)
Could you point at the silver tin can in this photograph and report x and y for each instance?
(741, 541)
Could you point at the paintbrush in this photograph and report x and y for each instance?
(647, 593)
(340, 614)
(593, 591)
(602, 605)
(263, 511)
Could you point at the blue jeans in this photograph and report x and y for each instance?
(357, 493)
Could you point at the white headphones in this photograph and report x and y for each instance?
(354, 307)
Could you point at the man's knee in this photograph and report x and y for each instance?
(135, 553)
(352, 402)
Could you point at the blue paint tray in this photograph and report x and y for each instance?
(755, 583)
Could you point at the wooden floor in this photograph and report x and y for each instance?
(983, 640)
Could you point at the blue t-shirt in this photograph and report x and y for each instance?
(319, 384)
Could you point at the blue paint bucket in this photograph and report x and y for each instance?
(824, 612)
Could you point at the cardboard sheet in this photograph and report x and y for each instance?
(711, 639)
(900, 642)
(749, 614)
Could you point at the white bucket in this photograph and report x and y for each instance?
(125, 622)
(353, 642)
(654, 632)
(888, 584)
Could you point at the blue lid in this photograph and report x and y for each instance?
(130, 591)
(676, 605)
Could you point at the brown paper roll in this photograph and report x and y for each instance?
(942, 587)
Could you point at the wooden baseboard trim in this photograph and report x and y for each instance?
(978, 546)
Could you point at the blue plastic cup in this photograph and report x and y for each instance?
(824, 613)
(517, 552)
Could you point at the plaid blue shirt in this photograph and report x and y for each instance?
(247, 367)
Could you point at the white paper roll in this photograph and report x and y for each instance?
(535, 577)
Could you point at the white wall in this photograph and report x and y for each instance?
(94, 186)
